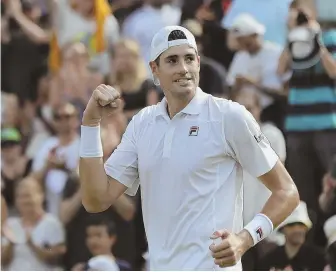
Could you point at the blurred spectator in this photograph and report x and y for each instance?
(143, 23)
(130, 76)
(76, 219)
(271, 13)
(75, 80)
(212, 74)
(209, 14)
(24, 48)
(295, 255)
(330, 231)
(310, 122)
(327, 199)
(100, 239)
(123, 8)
(39, 236)
(14, 165)
(255, 65)
(87, 21)
(59, 156)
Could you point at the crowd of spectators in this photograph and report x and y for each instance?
(55, 52)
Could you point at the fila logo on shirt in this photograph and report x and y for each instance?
(259, 137)
(259, 233)
(193, 131)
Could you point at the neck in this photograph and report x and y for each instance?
(176, 104)
(291, 250)
(67, 138)
(32, 218)
(256, 48)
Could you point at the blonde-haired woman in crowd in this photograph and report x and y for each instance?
(130, 76)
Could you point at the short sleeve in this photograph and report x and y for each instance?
(56, 230)
(122, 165)
(246, 143)
(237, 67)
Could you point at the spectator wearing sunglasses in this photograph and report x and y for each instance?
(58, 157)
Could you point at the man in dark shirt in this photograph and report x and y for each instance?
(295, 254)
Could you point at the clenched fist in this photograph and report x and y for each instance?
(105, 100)
(228, 248)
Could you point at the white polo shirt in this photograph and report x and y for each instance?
(190, 170)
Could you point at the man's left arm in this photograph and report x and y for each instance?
(251, 149)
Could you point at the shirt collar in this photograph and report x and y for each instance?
(193, 108)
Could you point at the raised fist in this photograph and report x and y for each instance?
(104, 101)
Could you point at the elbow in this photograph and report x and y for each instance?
(292, 197)
(94, 206)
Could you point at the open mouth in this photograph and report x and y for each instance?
(182, 80)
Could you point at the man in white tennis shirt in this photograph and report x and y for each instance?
(188, 153)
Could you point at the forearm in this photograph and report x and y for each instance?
(32, 30)
(329, 63)
(283, 65)
(70, 207)
(281, 204)
(274, 93)
(125, 207)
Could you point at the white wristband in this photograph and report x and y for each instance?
(90, 142)
(260, 227)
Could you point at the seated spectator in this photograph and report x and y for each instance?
(14, 165)
(100, 239)
(255, 65)
(330, 232)
(59, 156)
(129, 75)
(76, 218)
(295, 255)
(212, 74)
(89, 22)
(39, 236)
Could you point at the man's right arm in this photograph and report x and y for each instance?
(98, 190)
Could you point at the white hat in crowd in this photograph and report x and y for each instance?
(102, 263)
(330, 229)
(299, 215)
(246, 25)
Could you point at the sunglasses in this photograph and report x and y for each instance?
(58, 117)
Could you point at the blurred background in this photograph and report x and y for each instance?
(275, 57)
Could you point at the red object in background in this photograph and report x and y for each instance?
(226, 4)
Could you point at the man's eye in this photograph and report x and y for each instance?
(190, 59)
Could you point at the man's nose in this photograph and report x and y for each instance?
(183, 69)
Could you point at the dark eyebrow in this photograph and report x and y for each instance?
(176, 56)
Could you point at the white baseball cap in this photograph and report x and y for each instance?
(299, 215)
(160, 41)
(246, 25)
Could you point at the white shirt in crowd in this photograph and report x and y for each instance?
(191, 172)
(72, 27)
(261, 67)
(55, 179)
(145, 22)
(49, 231)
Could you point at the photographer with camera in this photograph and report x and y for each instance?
(310, 122)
